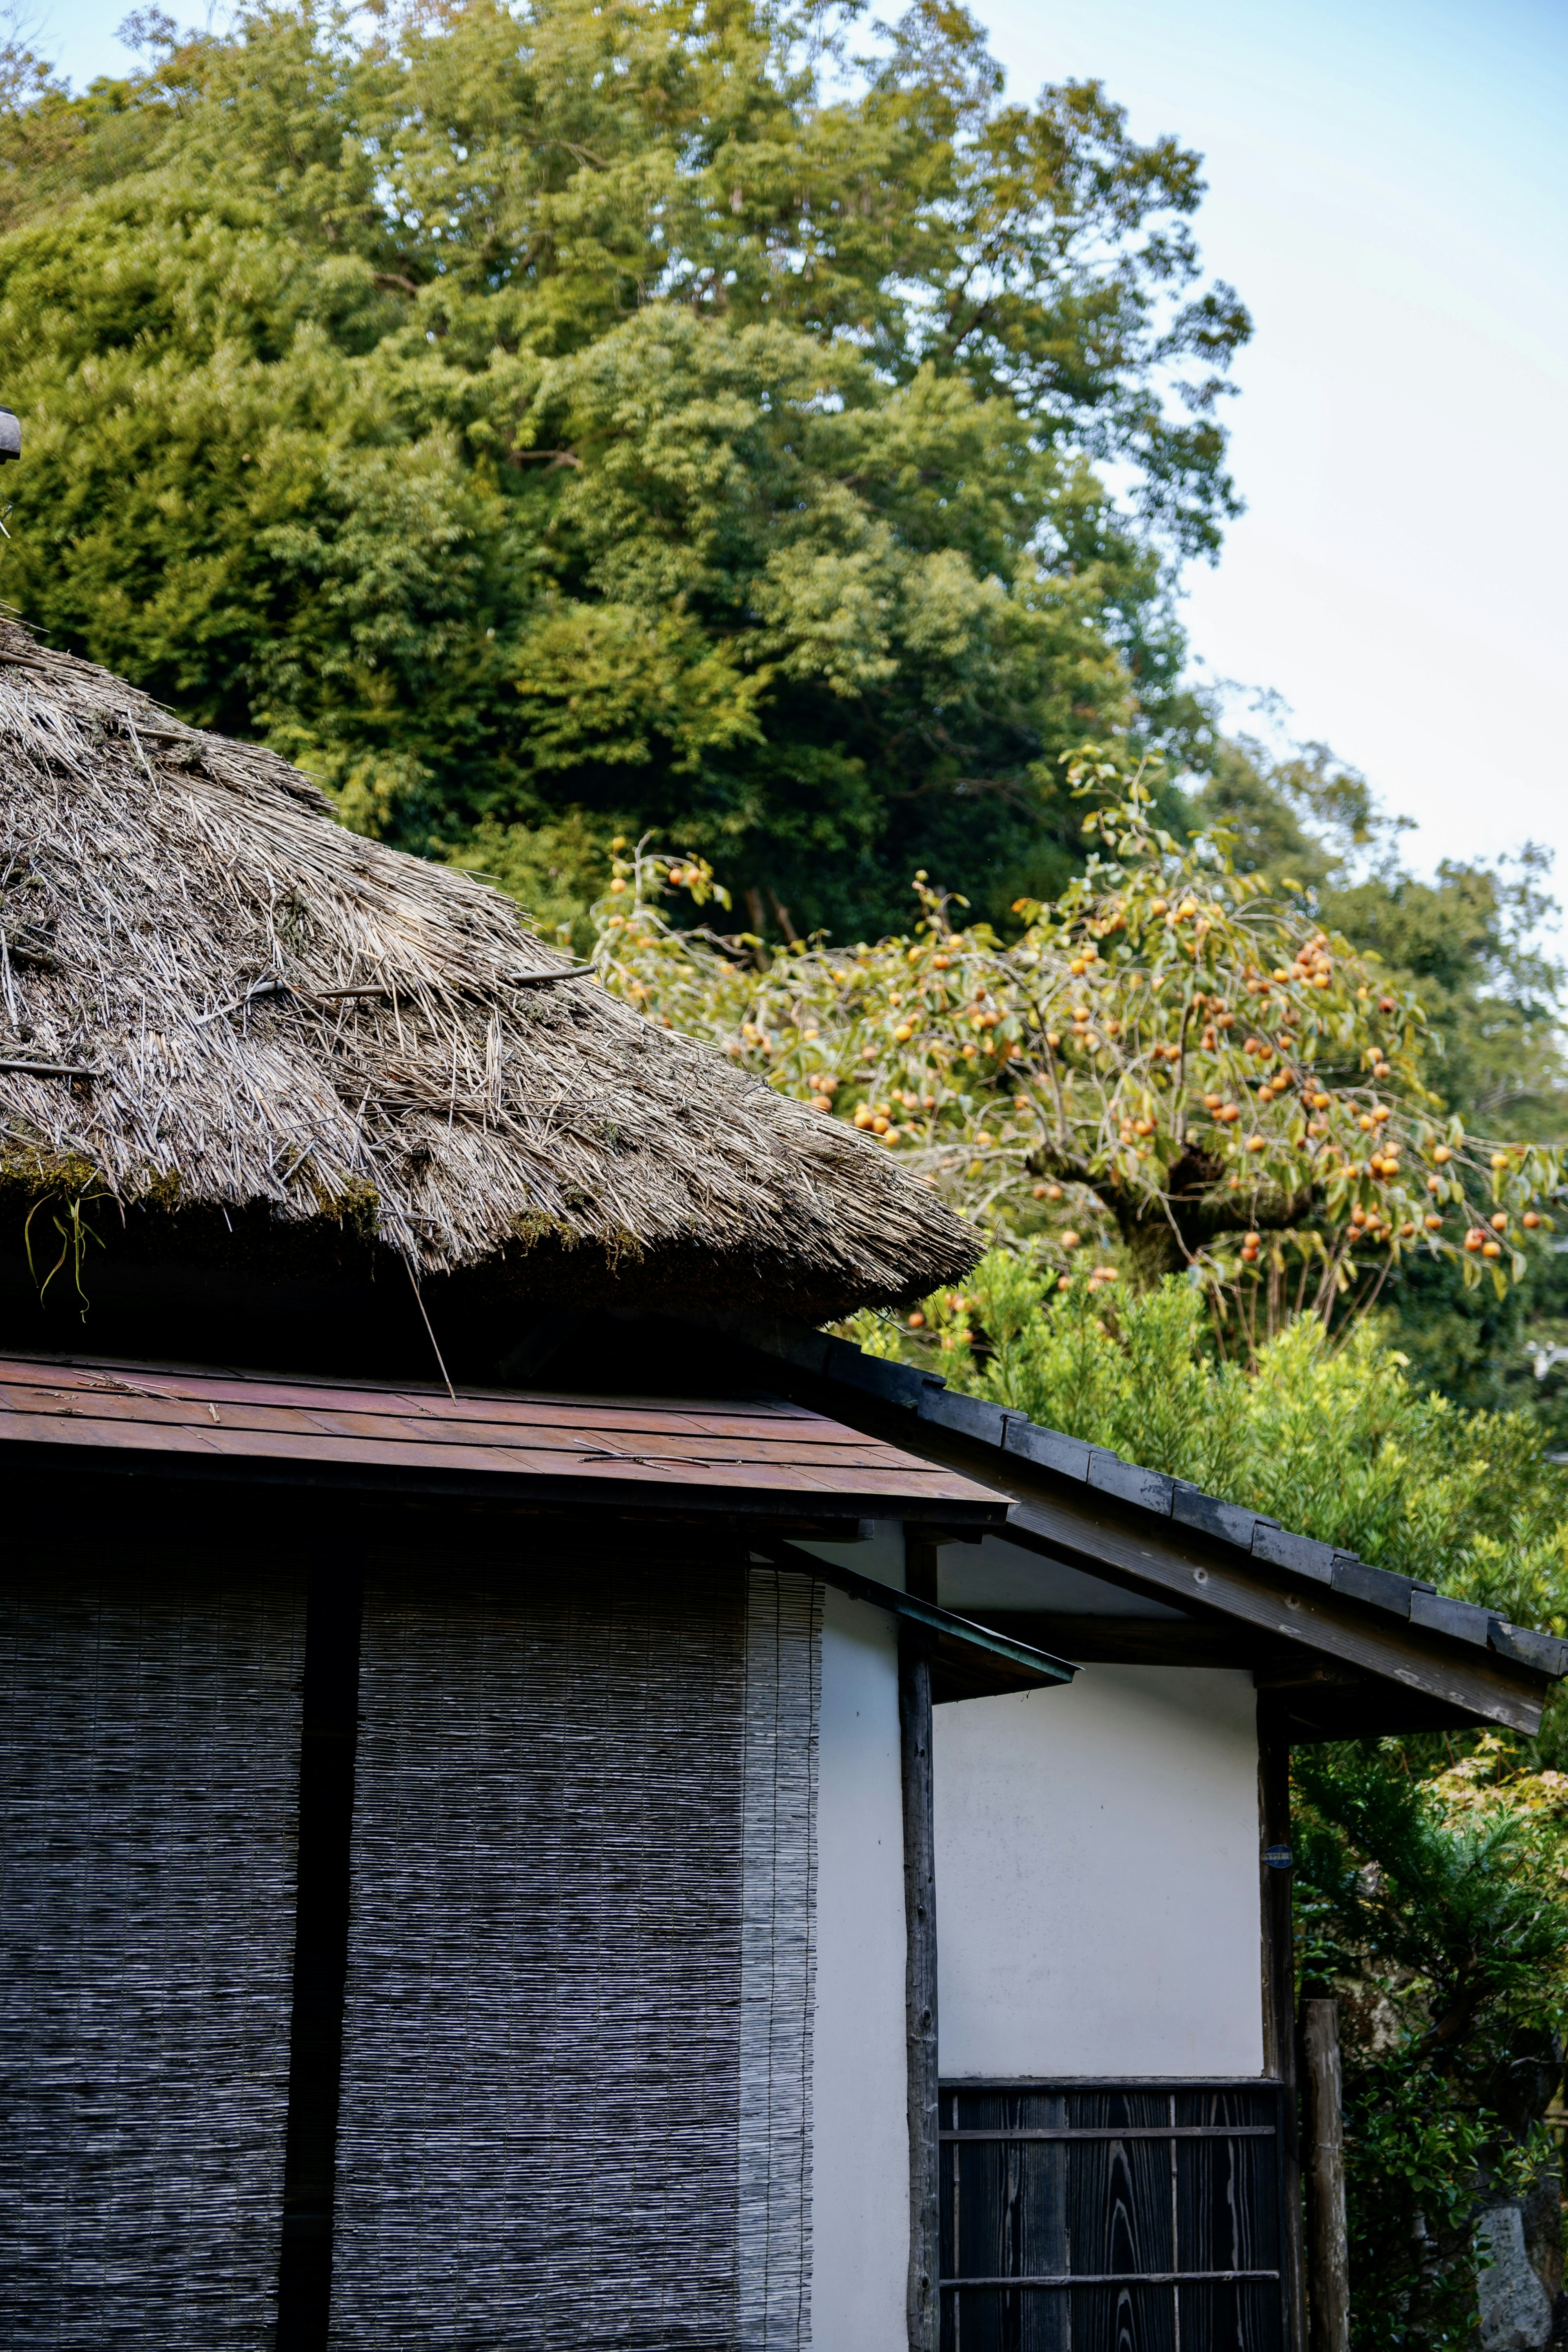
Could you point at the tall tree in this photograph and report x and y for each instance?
(561, 414)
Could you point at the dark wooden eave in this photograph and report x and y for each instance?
(1341, 1649)
(760, 1458)
(1337, 1666)
(772, 1463)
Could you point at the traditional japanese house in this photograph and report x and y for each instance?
(547, 1804)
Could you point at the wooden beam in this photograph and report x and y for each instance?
(1280, 2002)
(1308, 1698)
(329, 1734)
(1211, 1580)
(923, 2300)
(1095, 1641)
(1328, 2247)
(1365, 1709)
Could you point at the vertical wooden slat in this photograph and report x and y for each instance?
(331, 1714)
(1119, 2210)
(1180, 2253)
(1228, 2217)
(1279, 1957)
(1330, 2304)
(1092, 2228)
(919, 1975)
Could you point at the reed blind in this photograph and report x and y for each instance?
(576, 2050)
(149, 1754)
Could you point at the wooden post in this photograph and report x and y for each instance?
(1328, 2249)
(924, 2299)
(329, 1733)
(1280, 2008)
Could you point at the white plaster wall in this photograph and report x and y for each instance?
(860, 2163)
(1096, 1888)
(994, 1574)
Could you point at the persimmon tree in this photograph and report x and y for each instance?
(1169, 1065)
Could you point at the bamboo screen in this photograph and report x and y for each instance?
(149, 1754)
(576, 2046)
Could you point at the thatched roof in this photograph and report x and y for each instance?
(184, 922)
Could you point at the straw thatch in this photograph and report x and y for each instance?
(178, 912)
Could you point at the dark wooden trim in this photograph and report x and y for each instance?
(1020, 2085)
(1274, 1886)
(1118, 2132)
(1315, 1699)
(1116, 2278)
(1127, 1640)
(1327, 2248)
(1279, 1993)
(329, 1734)
(922, 1567)
(1210, 1580)
(814, 1503)
(924, 2302)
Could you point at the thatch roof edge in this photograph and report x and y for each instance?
(214, 997)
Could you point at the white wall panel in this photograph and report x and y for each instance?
(994, 1574)
(860, 2166)
(1096, 1856)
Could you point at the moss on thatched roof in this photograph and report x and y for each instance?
(232, 1003)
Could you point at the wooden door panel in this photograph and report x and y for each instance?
(1111, 2218)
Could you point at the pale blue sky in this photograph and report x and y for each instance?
(1388, 188)
(1389, 192)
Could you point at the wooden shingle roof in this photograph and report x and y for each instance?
(756, 1454)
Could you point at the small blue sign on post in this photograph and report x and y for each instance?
(1277, 1857)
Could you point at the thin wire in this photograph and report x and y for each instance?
(419, 1297)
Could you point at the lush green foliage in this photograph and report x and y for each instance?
(523, 416)
(1438, 1911)
(544, 421)
(1462, 1901)
(1414, 2161)
(1167, 1053)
